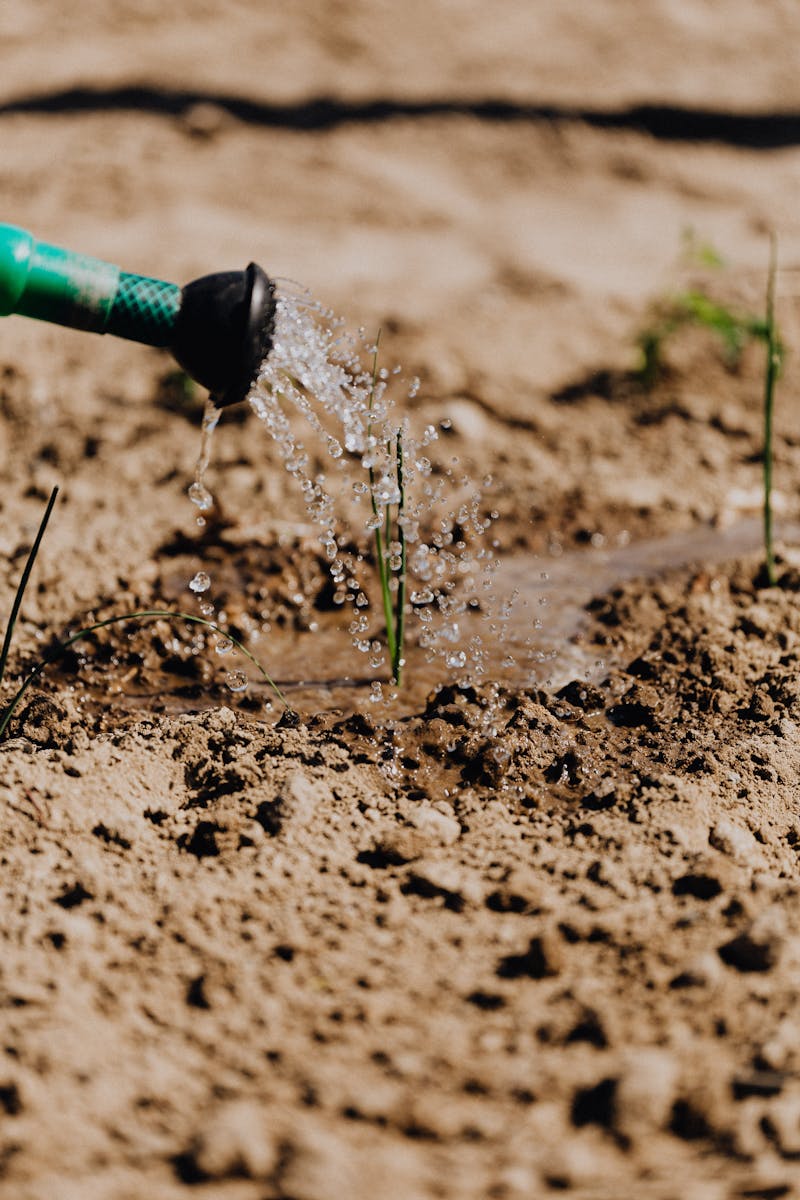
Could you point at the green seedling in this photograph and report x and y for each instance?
(698, 309)
(394, 613)
(23, 583)
(735, 330)
(772, 370)
(60, 647)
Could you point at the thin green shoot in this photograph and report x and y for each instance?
(735, 330)
(772, 371)
(23, 583)
(381, 521)
(394, 615)
(400, 610)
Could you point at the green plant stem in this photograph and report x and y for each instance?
(146, 614)
(400, 618)
(381, 545)
(23, 583)
(386, 591)
(771, 372)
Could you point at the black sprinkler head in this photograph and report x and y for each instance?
(224, 329)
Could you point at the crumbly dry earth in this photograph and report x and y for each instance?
(526, 938)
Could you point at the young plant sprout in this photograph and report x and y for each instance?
(735, 330)
(62, 645)
(23, 583)
(394, 615)
(696, 308)
(772, 371)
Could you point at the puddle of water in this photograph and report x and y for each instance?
(541, 646)
(319, 670)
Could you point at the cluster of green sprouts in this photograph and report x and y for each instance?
(735, 330)
(59, 648)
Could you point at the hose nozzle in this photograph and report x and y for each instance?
(219, 327)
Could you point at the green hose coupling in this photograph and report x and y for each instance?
(52, 284)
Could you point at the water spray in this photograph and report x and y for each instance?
(219, 327)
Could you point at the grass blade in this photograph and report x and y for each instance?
(23, 583)
(400, 611)
(771, 373)
(381, 545)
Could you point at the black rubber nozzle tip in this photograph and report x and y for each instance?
(224, 330)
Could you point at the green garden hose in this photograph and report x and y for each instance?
(219, 327)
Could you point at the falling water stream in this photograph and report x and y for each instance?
(375, 495)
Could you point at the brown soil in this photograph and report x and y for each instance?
(528, 936)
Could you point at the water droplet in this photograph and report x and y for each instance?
(201, 496)
(224, 645)
(456, 660)
(236, 681)
(200, 583)
(387, 491)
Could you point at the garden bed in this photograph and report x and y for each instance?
(529, 934)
